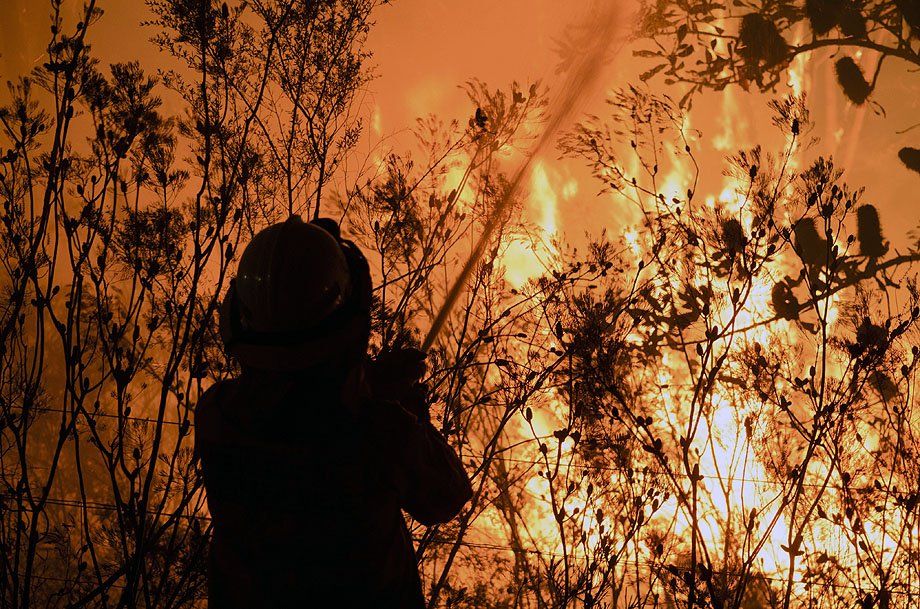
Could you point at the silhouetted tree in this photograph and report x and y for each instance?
(116, 248)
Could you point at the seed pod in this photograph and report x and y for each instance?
(784, 301)
(823, 15)
(886, 388)
(480, 118)
(809, 245)
(761, 42)
(910, 157)
(852, 21)
(852, 80)
(869, 232)
(733, 236)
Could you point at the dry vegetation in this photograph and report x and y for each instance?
(714, 409)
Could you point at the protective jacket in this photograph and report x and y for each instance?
(306, 475)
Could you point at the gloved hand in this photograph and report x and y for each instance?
(396, 375)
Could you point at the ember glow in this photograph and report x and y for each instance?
(677, 245)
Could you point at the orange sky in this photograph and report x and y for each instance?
(425, 49)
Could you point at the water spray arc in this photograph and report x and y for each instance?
(596, 35)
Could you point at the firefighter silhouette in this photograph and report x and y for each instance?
(311, 454)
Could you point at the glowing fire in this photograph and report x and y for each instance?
(526, 256)
(734, 480)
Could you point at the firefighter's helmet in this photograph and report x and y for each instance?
(301, 295)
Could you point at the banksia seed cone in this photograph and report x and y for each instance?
(784, 301)
(761, 42)
(852, 21)
(823, 15)
(809, 245)
(910, 157)
(869, 232)
(852, 81)
(733, 236)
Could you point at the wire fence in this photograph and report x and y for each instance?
(647, 471)
(97, 506)
(903, 590)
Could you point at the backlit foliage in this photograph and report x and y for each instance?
(712, 45)
(713, 408)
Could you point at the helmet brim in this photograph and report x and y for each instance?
(349, 334)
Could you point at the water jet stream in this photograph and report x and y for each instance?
(598, 32)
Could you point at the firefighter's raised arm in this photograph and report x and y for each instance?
(433, 482)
